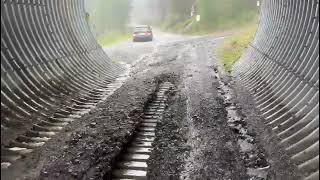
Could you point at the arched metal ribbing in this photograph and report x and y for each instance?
(281, 70)
(48, 58)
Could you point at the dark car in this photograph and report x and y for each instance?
(142, 33)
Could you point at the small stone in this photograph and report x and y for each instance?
(44, 173)
(5, 165)
(74, 174)
(251, 132)
(92, 125)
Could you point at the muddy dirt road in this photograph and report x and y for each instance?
(209, 130)
(132, 52)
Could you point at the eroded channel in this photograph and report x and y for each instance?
(131, 163)
(253, 155)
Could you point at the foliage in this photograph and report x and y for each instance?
(112, 38)
(179, 12)
(226, 13)
(108, 15)
(216, 15)
(232, 48)
(181, 8)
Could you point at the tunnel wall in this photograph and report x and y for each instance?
(281, 70)
(48, 56)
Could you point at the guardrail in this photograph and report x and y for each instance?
(48, 56)
(281, 70)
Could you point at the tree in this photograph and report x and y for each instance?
(217, 12)
(181, 8)
(108, 15)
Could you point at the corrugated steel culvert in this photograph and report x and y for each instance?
(49, 59)
(281, 70)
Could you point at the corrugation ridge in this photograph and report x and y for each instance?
(281, 70)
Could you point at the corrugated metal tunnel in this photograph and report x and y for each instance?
(49, 58)
(281, 70)
(47, 54)
(51, 68)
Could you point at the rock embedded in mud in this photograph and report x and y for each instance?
(77, 161)
(228, 104)
(44, 173)
(131, 122)
(241, 122)
(92, 125)
(251, 132)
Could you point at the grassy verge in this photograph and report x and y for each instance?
(230, 51)
(112, 38)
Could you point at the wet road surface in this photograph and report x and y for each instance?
(202, 135)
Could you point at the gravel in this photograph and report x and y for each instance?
(195, 139)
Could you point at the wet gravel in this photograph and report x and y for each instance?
(86, 148)
(197, 138)
(170, 148)
(211, 129)
(194, 140)
(267, 145)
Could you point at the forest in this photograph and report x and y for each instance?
(110, 16)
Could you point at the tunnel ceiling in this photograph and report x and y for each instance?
(281, 70)
(49, 56)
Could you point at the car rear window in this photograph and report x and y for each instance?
(141, 29)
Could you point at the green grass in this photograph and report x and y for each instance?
(112, 38)
(230, 51)
(208, 27)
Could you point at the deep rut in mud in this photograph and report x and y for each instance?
(131, 163)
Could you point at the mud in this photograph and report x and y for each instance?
(202, 145)
(280, 166)
(170, 148)
(252, 151)
(86, 147)
(210, 129)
